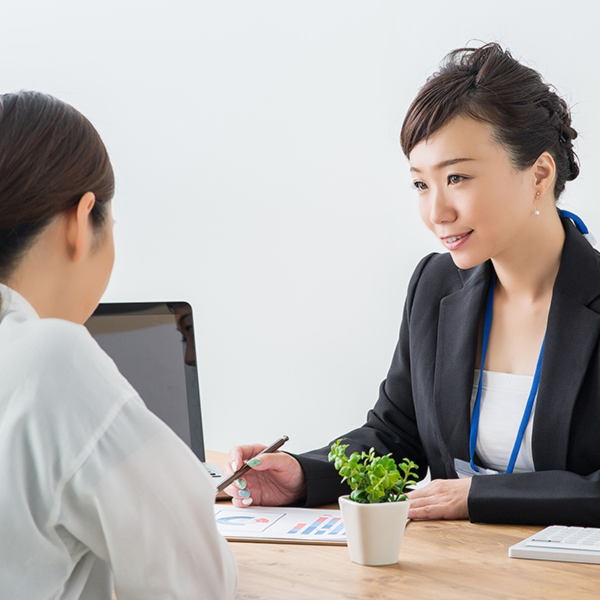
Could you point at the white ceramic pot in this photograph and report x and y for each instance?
(374, 531)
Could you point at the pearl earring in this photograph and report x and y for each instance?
(537, 210)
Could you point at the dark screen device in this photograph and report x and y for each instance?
(153, 345)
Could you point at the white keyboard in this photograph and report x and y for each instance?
(570, 544)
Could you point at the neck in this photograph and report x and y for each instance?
(43, 276)
(528, 270)
(36, 278)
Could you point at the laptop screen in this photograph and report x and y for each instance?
(152, 344)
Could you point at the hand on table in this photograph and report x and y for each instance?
(440, 499)
(276, 480)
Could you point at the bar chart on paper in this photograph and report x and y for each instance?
(292, 525)
(325, 525)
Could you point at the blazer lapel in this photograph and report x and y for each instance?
(571, 337)
(458, 332)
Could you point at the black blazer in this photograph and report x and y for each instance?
(423, 411)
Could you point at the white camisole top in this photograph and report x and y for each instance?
(503, 400)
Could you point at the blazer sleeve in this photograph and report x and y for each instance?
(391, 426)
(539, 498)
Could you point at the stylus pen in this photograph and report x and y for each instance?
(274, 446)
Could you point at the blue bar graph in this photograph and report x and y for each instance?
(297, 528)
(314, 526)
(333, 521)
(338, 529)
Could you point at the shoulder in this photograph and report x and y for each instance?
(435, 265)
(437, 276)
(60, 394)
(58, 334)
(65, 363)
(578, 276)
(57, 342)
(597, 255)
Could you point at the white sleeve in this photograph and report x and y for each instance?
(142, 502)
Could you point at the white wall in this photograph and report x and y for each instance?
(259, 174)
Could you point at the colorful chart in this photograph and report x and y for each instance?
(249, 522)
(324, 525)
(290, 524)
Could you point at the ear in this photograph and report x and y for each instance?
(544, 172)
(80, 232)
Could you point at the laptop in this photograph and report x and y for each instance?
(153, 345)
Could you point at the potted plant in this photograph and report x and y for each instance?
(375, 513)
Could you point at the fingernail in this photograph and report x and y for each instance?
(253, 462)
(234, 465)
(240, 483)
(244, 493)
(247, 501)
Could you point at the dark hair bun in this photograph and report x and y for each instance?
(489, 85)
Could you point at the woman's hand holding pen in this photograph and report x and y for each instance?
(275, 479)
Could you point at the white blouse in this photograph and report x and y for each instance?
(503, 400)
(92, 484)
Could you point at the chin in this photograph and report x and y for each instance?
(467, 262)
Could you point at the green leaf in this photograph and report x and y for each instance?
(372, 478)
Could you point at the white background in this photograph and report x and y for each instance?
(259, 174)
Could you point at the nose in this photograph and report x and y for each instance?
(440, 209)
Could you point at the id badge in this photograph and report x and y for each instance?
(463, 469)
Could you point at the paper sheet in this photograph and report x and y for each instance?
(274, 524)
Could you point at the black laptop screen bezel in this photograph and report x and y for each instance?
(125, 309)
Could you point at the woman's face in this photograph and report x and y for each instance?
(470, 195)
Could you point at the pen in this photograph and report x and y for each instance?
(274, 446)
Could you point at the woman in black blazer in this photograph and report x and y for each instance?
(490, 149)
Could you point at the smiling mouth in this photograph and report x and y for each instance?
(455, 238)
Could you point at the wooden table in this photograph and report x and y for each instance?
(438, 560)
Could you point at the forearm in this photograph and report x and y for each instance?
(323, 483)
(540, 498)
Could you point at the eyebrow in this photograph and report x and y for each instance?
(445, 163)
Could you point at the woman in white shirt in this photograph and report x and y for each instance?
(93, 486)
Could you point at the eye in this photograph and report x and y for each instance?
(420, 186)
(454, 179)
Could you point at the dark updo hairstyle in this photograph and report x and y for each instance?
(489, 85)
(50, 156)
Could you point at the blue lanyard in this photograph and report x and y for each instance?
(579, 224)
(487, 325)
